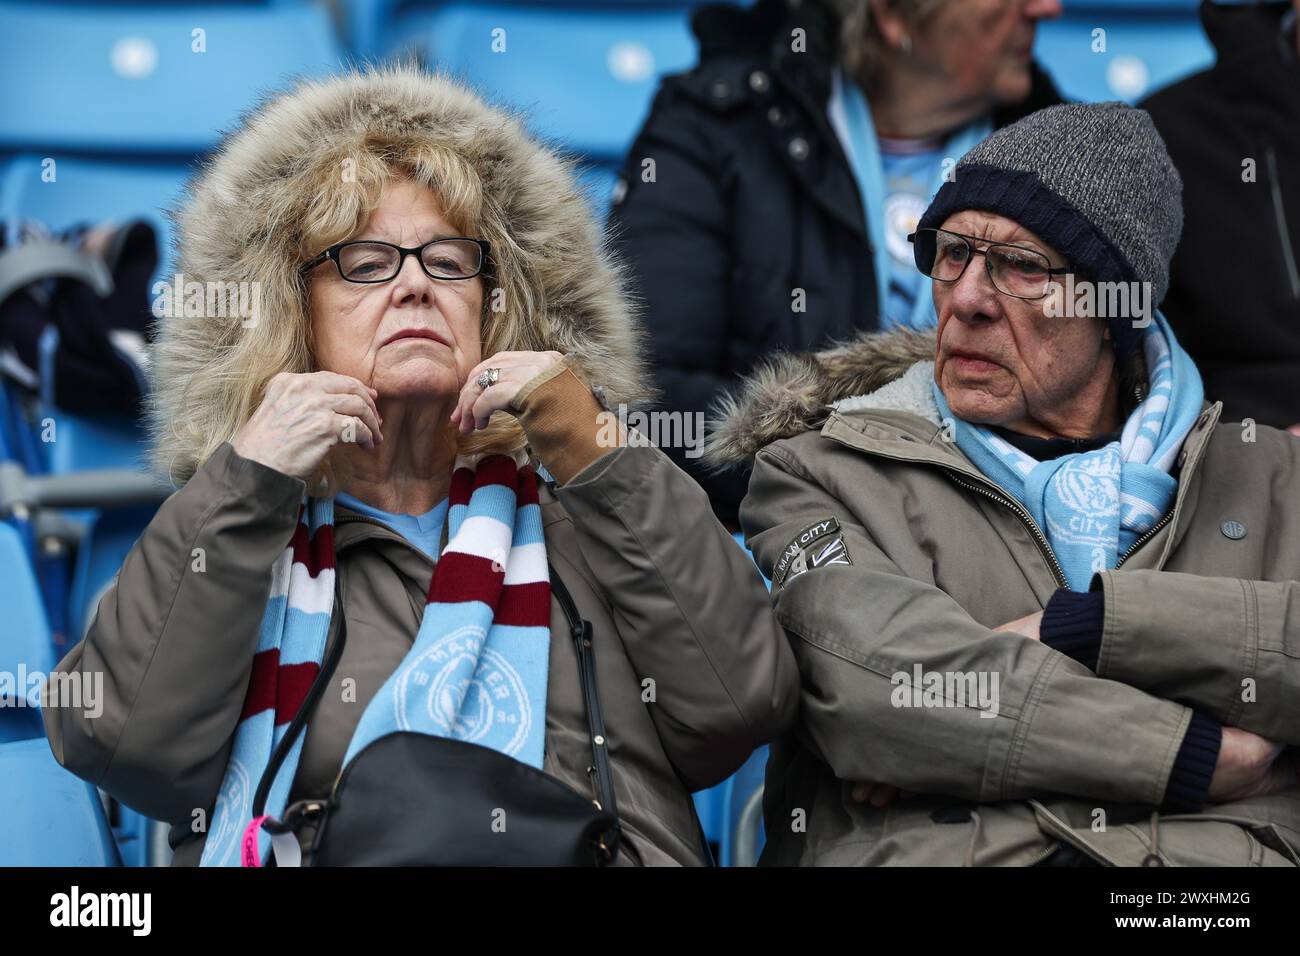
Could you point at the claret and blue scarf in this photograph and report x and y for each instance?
(477, 671)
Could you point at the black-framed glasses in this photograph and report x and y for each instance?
(369, 260)
(1017, 271)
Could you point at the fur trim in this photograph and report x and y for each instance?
(241, 221)
(911, 392)
(793, 393)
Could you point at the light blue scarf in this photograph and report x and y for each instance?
(863, 151)
(1093, 505)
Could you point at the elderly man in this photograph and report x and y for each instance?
(1044, 602)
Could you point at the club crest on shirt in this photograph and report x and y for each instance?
(817, 545)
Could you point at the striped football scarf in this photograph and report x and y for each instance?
(476, 672)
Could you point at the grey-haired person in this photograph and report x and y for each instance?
(1045, 601)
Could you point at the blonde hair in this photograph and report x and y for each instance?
(306, 171)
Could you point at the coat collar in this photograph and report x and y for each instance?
(352, 528)
(872, 394)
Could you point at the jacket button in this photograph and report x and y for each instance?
(1182, 458)
(1205, 417)
(720, 90)
(1233, 529)
(775, 116)
(758, 81)
(799, 148)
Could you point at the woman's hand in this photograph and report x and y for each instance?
(303, 416)
(477, 404)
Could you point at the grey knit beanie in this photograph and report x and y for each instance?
(1094, 180)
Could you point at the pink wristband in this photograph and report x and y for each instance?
(251, 856)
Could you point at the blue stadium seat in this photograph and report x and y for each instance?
(1148, 44)
(18, 443)
(94, 441)
(742, 785)
(50, 818)
(720, 808)
(140, 841)
(94, 190)
(368, 20)
(125, 77)
(585, 74)
(25, 645)
(89, 190)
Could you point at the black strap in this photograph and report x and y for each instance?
(581, 631)
(578, 627)
(313, 695)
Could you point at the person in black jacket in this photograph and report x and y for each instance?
(765, 204)
(1234, 134)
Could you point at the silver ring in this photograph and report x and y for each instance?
(489, 377)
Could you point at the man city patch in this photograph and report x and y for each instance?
(815, 546)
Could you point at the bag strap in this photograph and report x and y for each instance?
(313, 695)
(580, 628)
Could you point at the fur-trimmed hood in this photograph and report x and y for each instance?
(242, 217)
(792, 393)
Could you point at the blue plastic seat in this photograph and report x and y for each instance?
(584, 74)
(125, 77)
(95, 190)
(95, 441)
(25, 646)
(369, 21)
(50, 817)
(1148, 44)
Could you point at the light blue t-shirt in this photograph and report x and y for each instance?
(910, 167)
(896, 179)
(424, 531)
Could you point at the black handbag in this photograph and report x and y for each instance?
(413, 799)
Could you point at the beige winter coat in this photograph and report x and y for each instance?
(693, 670)
(934, 556)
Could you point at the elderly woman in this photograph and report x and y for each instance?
(789, 168)
(1045, 604)
(363, 565)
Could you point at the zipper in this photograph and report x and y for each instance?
(987, 491)
(1279, 215)
(1145, 537)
